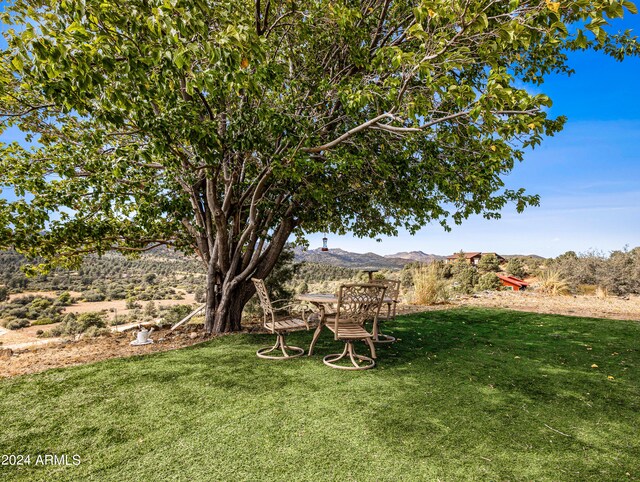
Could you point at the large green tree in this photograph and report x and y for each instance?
(226, 127)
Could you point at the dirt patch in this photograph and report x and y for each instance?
(69, 353)
(25, 335)
(119, 307)
(612, 307)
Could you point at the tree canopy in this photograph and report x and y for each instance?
(225, 127)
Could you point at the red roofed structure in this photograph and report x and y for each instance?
(516, 284)
(471, 258)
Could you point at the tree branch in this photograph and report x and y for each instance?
(348, 134)
(25, 112)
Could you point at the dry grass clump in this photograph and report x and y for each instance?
(601, 292)
(430, 287)
(551, 282)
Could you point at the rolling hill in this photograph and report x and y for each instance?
(340, 257)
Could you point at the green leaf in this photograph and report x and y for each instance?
(630, 6)
(17, 63)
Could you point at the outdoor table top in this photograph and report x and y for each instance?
(320, 298)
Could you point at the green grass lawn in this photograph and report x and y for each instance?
(465, 394)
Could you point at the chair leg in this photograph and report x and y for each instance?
(372, 347)
(380, 337)
(331, 360)
(316, 335)
(282, 345)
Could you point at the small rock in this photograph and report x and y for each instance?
(160, 340)
(6, 352)
(193, 335)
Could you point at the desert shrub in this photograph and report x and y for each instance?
(302, 288)
(465, 278)
(41, 303)
(4, 293)
(94, 331)
(430, 287)
(92, 318)
(53, 332)
(173, 314)
(551, 282)
(585, 289)
(23, 300)
(116, 293)
(406, 276)
(17, 324)
(150, 310)
(18, 312)
(6, 319)
(44, 321)
(118, 320)
(515, 267)
(93, 296)
(132, 304)
(74, 325)
(618, 273)
(488, 281)
(200, 294)
(489, 263)
(64, 299)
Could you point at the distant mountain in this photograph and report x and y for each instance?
(340, 257)
(535, 256)
(416, 256)
(347, 259)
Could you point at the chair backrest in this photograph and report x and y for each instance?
(265, 303)
(359, 303)
(393, 288)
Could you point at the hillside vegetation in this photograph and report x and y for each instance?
(110, 277)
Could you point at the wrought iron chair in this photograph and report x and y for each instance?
(278, 325)
(356, 304)
(391, 299)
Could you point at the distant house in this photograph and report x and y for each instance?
(516, 284)
(473, 258)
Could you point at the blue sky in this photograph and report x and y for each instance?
(588, 176)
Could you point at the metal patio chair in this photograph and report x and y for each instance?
(279, 326)
(357, 303)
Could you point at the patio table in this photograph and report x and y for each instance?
(325, 303)
(370, 272)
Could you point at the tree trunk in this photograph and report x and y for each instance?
(224, 306)
(225, 298)
(212, 300)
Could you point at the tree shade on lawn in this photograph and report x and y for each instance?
(465, 394)
(225, 127)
